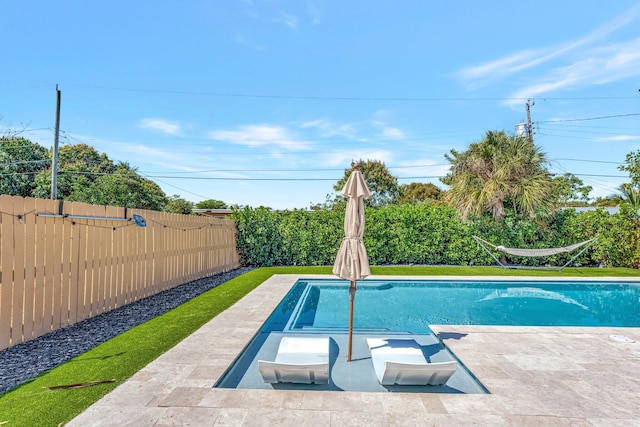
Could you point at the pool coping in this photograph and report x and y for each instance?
(536, 375)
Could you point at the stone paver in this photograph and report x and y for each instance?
(537, 376)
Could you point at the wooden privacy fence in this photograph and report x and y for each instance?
(61, 263)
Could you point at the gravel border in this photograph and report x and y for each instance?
(27, 360)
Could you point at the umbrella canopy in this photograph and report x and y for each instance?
(352, 262)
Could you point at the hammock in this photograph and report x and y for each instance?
(534, 252)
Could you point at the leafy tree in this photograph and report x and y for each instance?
(610, 201)
(417, 192)
(383, 186)
(20, 161)
(569, 189)
(86, 175)
(211, 204)
(497, 171)
(125, 188)
(79, 166)
(332, 202)
(630, 195)
(632, 166)
(176, 204)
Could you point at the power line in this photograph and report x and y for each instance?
(588, 161)
(24, 162)
(20, 173)
(588, 132)
(582, 138)
(578, 126)
(601, 176)
(305, 170)
(148, 173)
(588, 118)
(178, 188)
(341, 98)
(299, 97)
(325, 179)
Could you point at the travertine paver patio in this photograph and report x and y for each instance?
(537, 376)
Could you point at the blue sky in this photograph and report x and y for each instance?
(267, 102)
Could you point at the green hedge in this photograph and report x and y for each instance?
(434, 235)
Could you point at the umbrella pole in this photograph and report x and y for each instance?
(352, 294)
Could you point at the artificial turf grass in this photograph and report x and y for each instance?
(33, 404)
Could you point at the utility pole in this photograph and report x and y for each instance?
(56, 138)
(529, 128)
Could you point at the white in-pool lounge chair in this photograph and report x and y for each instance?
(401, 362)
(303, 360)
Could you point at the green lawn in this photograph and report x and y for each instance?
(35, 404)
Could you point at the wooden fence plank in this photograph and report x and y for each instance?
(28, 221)
(176, 234)
(159, 259)
(94, 227)
(72, 264)
(101, 234)
(40, 327)
(18, 304)
(6, 269)
(62, 294)
(138, 268)
(167, 249)
(52, 289)
(108, 276)
(136, 289)
(118, 255)
(84, 269)
(149, 261)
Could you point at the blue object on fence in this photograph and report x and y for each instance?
(140, 222)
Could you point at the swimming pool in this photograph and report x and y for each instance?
(410, 306)
(406, 308)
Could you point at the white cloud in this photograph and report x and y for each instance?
(327, 129)
(261, 136)
(315, 13)
(619, 138)
(380, 119)
(244, 40)
(164, 126)
(392, 133)
(355, 131)
(580, 62)
(603, 65)
(148, 152)
(492, 71)
(287, 19)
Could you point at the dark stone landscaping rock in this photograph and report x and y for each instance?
(25, 361)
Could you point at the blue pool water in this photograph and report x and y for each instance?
(410, 306)
(402, 308)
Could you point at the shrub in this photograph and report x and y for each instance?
(434, 235)
(258, 239)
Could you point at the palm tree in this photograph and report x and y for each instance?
(631, 195)
(498, 170)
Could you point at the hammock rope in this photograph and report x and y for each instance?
(542, 252)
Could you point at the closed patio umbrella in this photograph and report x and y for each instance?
(352, 262)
